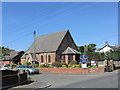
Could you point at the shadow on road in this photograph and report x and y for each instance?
(35, 74)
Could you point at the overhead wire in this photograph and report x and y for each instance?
(21, 37)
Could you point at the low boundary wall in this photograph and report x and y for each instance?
(12, 78)
(71, 70)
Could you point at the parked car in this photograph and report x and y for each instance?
(27, 68)
(5, 67)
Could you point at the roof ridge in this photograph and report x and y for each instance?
(52, 33)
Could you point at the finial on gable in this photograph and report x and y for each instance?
(106, 43)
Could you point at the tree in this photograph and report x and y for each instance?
(87, 48)
(111, 55)
(102, 56)
(115, 55)
(4, 51)
(96, 55)
(81, 49)
(89, 55)
(91, 47)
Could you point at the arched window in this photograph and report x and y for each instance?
(49, 59)
(42, 61)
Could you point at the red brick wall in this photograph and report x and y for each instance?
(70, 70)
(6, 62)
(45, 57)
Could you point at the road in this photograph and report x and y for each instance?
(93, 80)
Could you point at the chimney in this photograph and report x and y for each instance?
(106, 43)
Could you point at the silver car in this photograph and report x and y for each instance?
(27, 68)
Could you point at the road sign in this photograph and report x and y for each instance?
(83, 59)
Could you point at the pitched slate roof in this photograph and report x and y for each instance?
(70, 50)
(112, 47)
(11, 55)
(48, 42)
(115, 47)
(14, 53)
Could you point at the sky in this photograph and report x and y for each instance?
(88, 22)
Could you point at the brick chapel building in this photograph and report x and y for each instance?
(54, 47)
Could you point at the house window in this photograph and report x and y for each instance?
(49, 59)
(42, 59)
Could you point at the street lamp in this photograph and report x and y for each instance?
(34, 49)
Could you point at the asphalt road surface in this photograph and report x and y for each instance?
(93, 80)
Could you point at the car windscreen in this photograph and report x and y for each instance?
(21, 66)
(25, 66)
(29, 66)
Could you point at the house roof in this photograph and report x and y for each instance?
(14, 53)
(48, 42)
(11, 55)
(70, 50)
(112, 47)
(115, 47)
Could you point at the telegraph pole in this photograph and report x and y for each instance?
(34, 49)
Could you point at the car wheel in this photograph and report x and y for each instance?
(28, 71)
(18, 71)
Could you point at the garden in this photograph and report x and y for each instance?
(72, 64)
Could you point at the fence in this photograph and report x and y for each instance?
(101, 63)
(12, 78)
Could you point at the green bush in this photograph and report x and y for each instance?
(14, 66)
(80, 65)
(7, 65)
(49, 65)
(36, 65)
(56, 64)
(26, 63)
(76, 66)
(73, 62)
(64, 66)
(73, 66)
(41, 65)
(93, 67)
(46, 65)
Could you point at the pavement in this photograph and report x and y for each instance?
(34, 85)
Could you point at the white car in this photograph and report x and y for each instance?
(5, 68)
(93, 63)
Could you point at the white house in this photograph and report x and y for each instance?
(107, 48)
